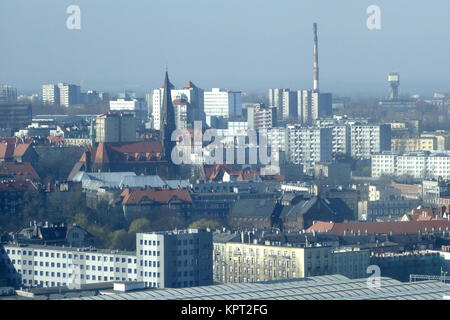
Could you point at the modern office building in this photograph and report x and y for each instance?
(8, 94)
(223, 103)
(115, 127)
(15, 116)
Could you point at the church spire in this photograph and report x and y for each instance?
(167, 118)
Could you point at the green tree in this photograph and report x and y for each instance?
(122, 240)
(81, 219)
(139, 225)
(205, 223)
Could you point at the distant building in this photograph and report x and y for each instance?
(366, 140)
(418, 165)
(8, 94)
(413, 144)
(308, 146)
(313, 105)
(115, 127)
(15, 116)
(175, 259)
(134, 107)
(61, 94)
(223, 103)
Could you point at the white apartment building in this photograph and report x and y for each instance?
(69, 94)
(47, 266)
(312, 105)
(366, 140)
(178, 259)
(189, 93)
(50, 94)
(278, 136)
(8, 94)
(420, 165)
(61, 94)
(223, 103)
(309, 145)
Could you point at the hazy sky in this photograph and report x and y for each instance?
(250, 45)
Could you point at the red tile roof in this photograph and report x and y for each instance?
(20, 171)
(21, 149)
(149, 196)
(6, 150)
(396, 227)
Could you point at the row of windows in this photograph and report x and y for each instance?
(70, 256)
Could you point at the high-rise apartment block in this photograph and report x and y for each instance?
(61, 94)
(309, 145)
(366, 140)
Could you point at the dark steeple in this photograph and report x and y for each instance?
(167, 118)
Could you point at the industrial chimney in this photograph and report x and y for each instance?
(316, 60)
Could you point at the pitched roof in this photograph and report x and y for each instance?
(189, 85)
(6, 150)
(396, 227)
(101, 154)
(20, 171)
(253, 208)
(21, 149)
(148, 196)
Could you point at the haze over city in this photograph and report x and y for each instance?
(241, 45)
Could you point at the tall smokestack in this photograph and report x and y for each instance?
(316, 60)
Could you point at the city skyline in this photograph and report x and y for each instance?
(130, 44)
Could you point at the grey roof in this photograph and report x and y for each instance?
(300, 208)
(178, 184)
(224, 237)
(253, 208)
(329, 287)
(141, 182)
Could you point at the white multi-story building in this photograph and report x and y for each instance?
(313, 105)
(69, 94)
(189, 93)
(135, 107)
(366, 140)
(278, 136)
(420, 165)
(47, 266)
(222, 103)
(175, 259)
(8, 94)
(50, 94)
(163, 259)
(309, 145)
